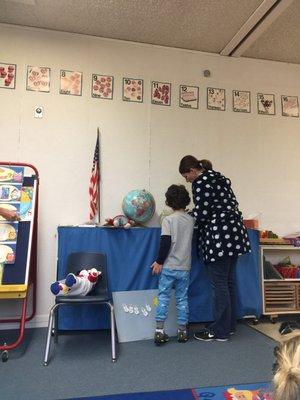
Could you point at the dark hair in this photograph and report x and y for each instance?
(189, 162)
(177, 197)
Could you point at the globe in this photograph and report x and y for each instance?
(139, 205)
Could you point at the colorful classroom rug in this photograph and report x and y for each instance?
(250, 391)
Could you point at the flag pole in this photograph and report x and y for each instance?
(99, 178)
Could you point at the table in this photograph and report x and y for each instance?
(130, 253)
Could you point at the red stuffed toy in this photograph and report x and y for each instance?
(120, 221)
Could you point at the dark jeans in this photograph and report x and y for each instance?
(223, 280)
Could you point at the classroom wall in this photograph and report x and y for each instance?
(141, 144)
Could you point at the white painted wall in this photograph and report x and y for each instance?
(143, 143)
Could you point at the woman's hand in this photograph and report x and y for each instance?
(156, 268)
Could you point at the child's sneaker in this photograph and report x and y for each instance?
(160, 338)
(182, 336)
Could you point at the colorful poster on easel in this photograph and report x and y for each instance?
(10, 192)
(26, 203)
(11, 179)
(11, 174)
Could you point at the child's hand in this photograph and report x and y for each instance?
(156, 268)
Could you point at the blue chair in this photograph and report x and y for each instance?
(99, 295)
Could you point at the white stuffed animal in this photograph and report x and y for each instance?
(75, 285)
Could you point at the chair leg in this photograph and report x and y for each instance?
(112, 333)
(55, 325)
(50, 324)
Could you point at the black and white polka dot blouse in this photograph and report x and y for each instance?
(220, 225)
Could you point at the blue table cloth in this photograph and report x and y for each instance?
(130, 253)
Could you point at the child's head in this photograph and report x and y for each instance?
(177, 197)
(287, 376)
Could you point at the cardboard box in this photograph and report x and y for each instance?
(251, 223)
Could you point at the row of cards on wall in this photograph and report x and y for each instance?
(38, 79)
(16, 197)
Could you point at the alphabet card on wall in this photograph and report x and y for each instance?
(102, 86)
(266, 104)
(70, 82)
(161, 93)
(133, 90)
(241, 101)
(188, 96)
(38, 79)
(290, 106)
(8, 76)
(215, 99)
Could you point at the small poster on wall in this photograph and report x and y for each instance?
(266, 104)
(290, 106)
(70, 82)
(161, 93)
(241, 101)
(215, 99)
(38, 79)
(188, 96)
(133, 90)
(8, 75)
(102, 86)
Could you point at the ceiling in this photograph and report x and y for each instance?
(261, 29)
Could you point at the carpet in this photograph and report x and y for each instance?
(247, 391)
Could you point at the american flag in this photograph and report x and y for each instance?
(94, 185)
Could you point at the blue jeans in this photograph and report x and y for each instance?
(223, 281)
(180, 280)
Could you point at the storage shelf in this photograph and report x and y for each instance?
(280, 296)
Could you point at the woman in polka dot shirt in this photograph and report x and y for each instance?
(222, 237)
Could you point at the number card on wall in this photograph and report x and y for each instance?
(102, 86)
(266, 104)
(241, 101)
(8, 76)
(133, 90)
(215, 99)
(161, 93)
(290, 106)
(38, 79)
(70, 82)
(188, 96)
